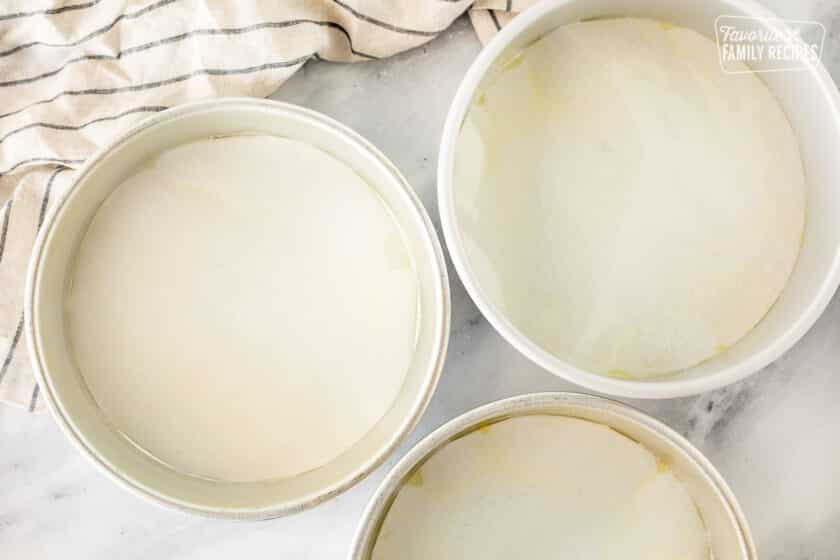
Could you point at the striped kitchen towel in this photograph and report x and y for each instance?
(75, 73)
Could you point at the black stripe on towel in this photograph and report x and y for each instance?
(197, 32)
(159, 83)
(49, 11)
(34, 400)
(40, 160)
(95, 33)
(46, 200)
(495, 20)
(5, 227)
(385, 24)
(10, 353)
(54, 126)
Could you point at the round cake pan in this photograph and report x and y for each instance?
(809, 98)
(64, 388)
(729, 533)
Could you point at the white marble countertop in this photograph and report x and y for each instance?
(775, 437)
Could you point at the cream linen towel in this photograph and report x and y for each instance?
(75, 73)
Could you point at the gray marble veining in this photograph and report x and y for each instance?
(773, 436)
